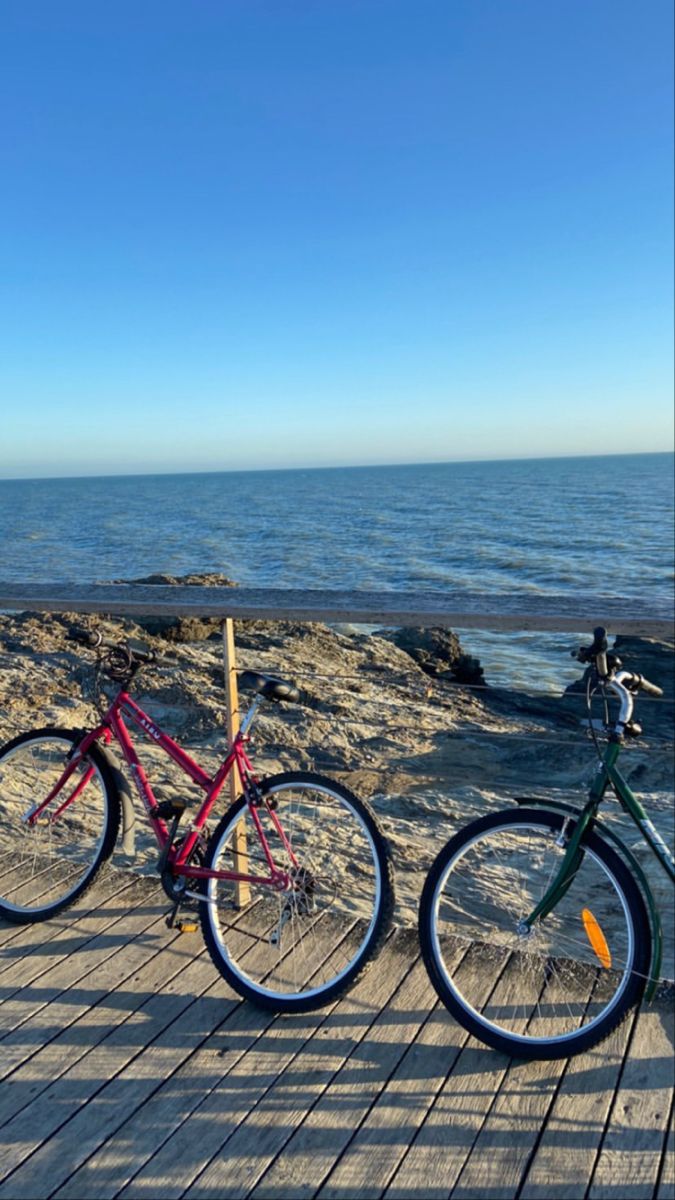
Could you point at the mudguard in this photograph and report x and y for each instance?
(125, 797)
(604, 832)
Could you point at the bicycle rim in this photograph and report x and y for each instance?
(570, 978)
(45, 865)
(313, 938)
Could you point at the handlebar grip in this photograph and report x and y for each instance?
(85, 637)
(94, 640)
(637, 683)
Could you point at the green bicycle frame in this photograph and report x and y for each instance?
(608, 775)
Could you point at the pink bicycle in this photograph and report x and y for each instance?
(294, 885)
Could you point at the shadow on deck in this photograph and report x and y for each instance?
(131, 1070)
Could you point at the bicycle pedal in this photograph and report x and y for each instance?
(187, 926)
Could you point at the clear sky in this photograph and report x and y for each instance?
(239, 233)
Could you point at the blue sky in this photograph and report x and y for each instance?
(315, 232)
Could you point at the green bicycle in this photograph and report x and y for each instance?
(537, 925)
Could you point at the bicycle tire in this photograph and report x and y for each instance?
(560, 989)
(337, 921)
(48, 866)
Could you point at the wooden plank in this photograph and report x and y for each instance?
(27, 882)
(459, 610)
(185, 1158)
(39, 947)
(18, 940)
(50, 974)
(382, 1140)
(51, 1026)
(52, 1135)
(630, 1158)
(45, 1070)
(320, 1140)
(562, 1166)
(146, 1091)
(166, 1123)
(242, 891)
(444, 1142)
(66, 1125)
(146, 969)
(163, 1125)
(666, 1188)
(297, 1083)
(501, 1153)
(40, 877)
(259, 1139)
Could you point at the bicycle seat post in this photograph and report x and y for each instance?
(250, 716)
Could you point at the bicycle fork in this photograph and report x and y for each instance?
(572, 859)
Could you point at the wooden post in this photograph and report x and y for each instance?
(242, 892)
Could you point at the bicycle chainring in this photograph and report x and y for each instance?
(176, 886)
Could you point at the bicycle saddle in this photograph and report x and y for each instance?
(268, 686)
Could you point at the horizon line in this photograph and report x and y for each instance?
(333, 467)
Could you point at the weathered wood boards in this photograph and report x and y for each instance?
(130, 1070)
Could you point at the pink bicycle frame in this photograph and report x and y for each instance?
(113, 725)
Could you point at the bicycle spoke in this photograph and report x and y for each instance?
(488, 887)
(53, 859)
(320, 840)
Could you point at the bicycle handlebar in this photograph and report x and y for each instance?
(86, 638)
(606, 664)
(94, 640)
(596, 652)
(637, 683)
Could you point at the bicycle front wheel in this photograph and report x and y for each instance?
(558, 988)
(301, 948)
(46, 866)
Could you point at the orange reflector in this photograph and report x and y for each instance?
(596, 937)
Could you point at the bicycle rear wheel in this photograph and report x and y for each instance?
(566, 984)
(308, 944)
(46, 866)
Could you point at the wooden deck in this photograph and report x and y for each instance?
(129, 1069)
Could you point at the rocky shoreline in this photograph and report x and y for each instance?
(406, 718)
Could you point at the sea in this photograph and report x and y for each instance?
(592, 526)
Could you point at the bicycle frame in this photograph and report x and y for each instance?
(113, 726)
